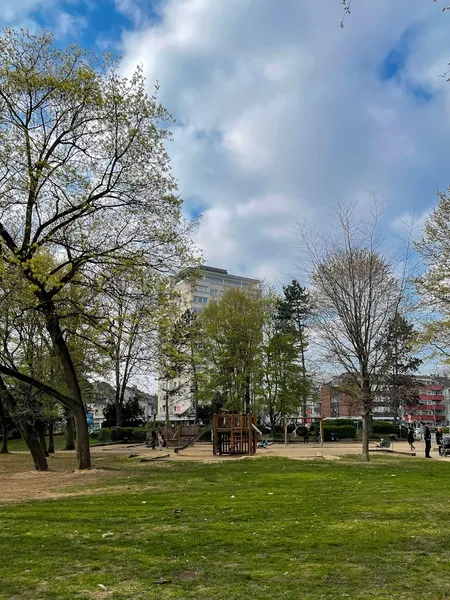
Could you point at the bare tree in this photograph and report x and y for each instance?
(357, 290)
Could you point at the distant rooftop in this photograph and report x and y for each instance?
(213, 270)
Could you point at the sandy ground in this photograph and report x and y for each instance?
(19, 484)
(203, 452)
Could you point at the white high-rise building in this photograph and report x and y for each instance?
(211, 285)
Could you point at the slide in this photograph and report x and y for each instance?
(194, 439)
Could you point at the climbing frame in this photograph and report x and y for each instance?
(234, 434)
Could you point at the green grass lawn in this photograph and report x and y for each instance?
(60, 444)
(249, 529)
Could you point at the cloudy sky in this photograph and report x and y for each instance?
(280, 112)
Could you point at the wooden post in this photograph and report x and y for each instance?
(285, 432)
(167, 419)
(250, 433)
(231, 420)
(321, 431)
(214, 434)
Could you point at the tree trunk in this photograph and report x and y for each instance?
(51, 439)
(33, 442)
(247, 394)
(120, 399)
(4, 449)
(40, 428)
(82, 438)
(285, 432)
(167, 417)
(71, 379)
(70, 433)
(28, 433)
(365, 435)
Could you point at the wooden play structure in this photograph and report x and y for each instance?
(179, 435)
(234, 434)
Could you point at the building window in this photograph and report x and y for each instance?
(201, 288)
(197, 311)
(214, 292)
(201, 299)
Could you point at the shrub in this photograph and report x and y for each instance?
(384, 427)
(118, 434)
(140, 434)
(342, 431)
(105, 434)
(338, 422)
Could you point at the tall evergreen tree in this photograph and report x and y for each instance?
(401, 364)
(294, 313)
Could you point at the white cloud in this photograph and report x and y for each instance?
(279, 112)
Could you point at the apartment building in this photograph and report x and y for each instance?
(431, 406)
(210, 285)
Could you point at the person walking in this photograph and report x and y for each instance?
(439, 436)
(153, 439)
(306, 436)
(427, 438)
(160, 441)
(411, 439)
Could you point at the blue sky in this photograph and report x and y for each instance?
(280, 112)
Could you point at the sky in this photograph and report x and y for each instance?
(279, 111)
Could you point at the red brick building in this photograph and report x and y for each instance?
(430, 407)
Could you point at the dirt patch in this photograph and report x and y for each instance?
(187, 575)
(31, 485)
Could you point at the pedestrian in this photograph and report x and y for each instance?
(439, 435)
(411, 439)
(306, 436)
(427, 438)
(160, 441)
(153, 439)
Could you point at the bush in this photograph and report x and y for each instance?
(384, 427)
(342, 431)
(140, 434)
(118, 434)
(338, 422)
(105, 434)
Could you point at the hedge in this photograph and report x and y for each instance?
(342, 431)
(104, 435)
(119, 434)
(384, 427)
(338, 422)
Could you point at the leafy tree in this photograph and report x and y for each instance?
(174, 356)
(434, 284)
(294, 313)
(85, 185)
(137, 302)
(281, 390)
(231, 334)
(132, 414)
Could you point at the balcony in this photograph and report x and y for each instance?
(427, 418)
(424, 407)
(433, 397)
(434, 387)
